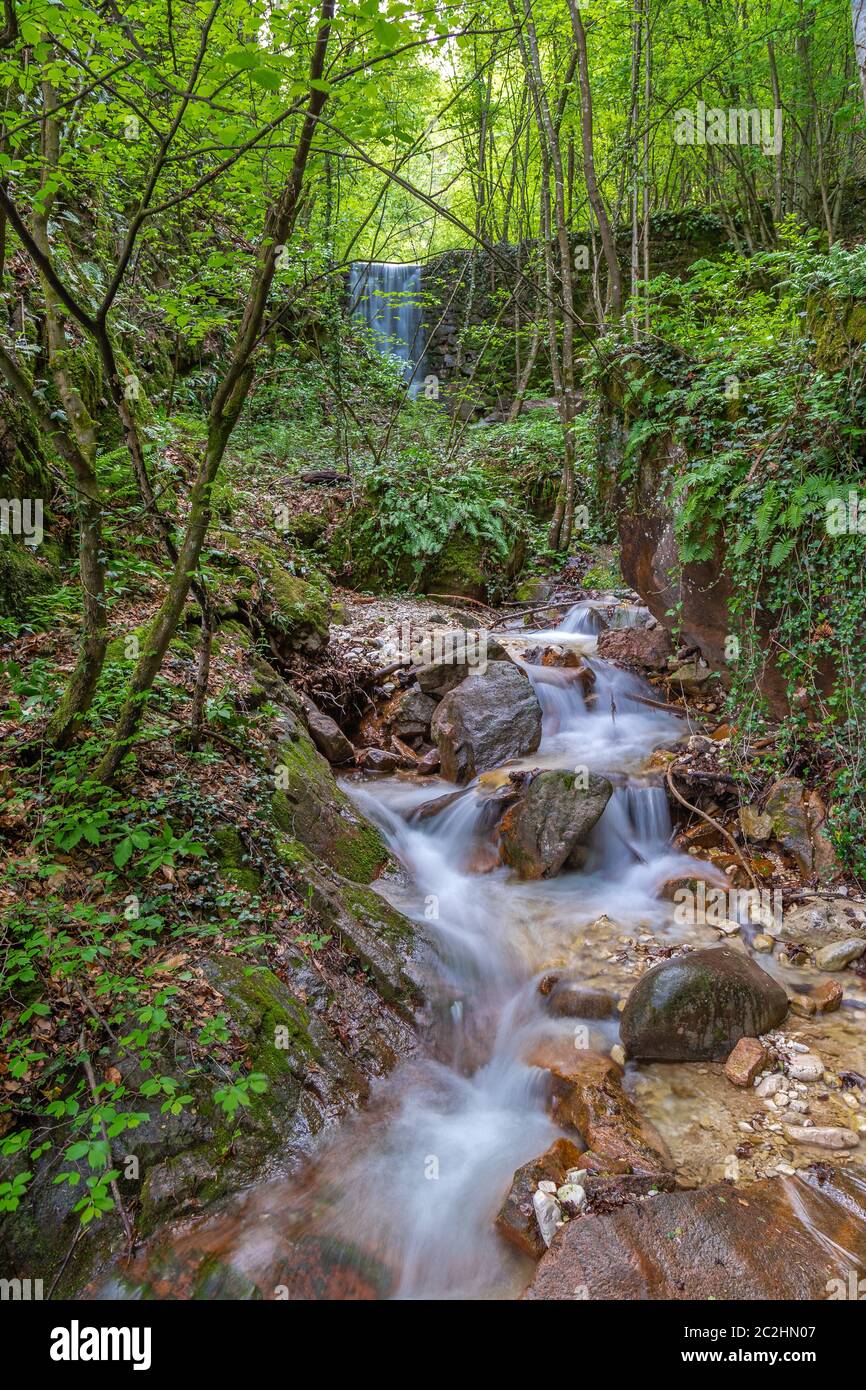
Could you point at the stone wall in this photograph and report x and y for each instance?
(477, 301)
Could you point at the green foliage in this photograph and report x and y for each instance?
(417, 503)
(765, 442)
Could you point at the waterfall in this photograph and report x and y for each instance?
(386, 296)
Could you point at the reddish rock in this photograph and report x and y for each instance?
(746, 1060)
(588, 1097)
(569, 998)
(428, 763)
(769, 1240)
(648, 649)
(516, 1220)
(827, 998)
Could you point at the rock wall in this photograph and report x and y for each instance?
(471, 294)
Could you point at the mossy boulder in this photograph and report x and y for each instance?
(308, 806)
(697, 1006)
(22, 577)
(838, 327)
(293, 612)
(233, 860)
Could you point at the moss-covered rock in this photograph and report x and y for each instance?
(838, 327)
(233, 860)
(22, 577)
(293, 612)
(309, 806)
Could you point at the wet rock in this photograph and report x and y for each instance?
(703, 1244)
(827, 998)
(746, 1060)
(325, 1268)
(588, 1096)
(553, 816)
(460, 657)
(327, 734)
(840, 953)
(568, 998)
(697, 1006)
(820, 921)
(517, 1220)
(646, 649)
(821, 1136)
(487, 720)
(379, 760)
(548, 1214)
(797, 817)
(409, 713)
(428, 763)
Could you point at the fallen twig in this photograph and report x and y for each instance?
(711, 821)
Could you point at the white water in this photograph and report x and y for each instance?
(416, 1180)
(423, 1173)
(386, 296)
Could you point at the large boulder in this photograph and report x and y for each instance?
(697, 1006)
(457, 654)
(554, 815)
(487, 720)
(778, 1240)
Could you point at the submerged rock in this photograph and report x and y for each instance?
(697, 1006)
(487, 720)
(567, 997)
(553, 816)
(792, 1239)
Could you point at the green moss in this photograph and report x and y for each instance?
(22, 577)
(309, 807)
(309, 527)
(181, 644)
(458, 568)
(838, 327)
(231, 858)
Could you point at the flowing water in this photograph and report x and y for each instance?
(416, 1180)
(386, 296)
(401, 1199)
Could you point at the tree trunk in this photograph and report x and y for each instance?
(225, 410)
(608, 242)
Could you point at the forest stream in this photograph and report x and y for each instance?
(401, 1202)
